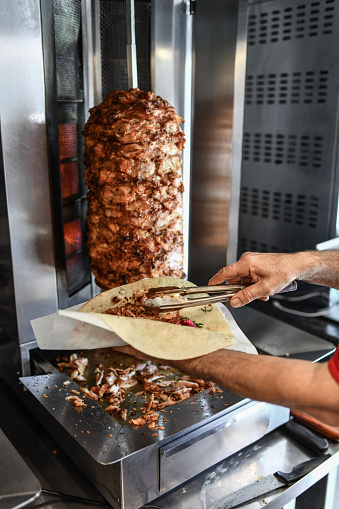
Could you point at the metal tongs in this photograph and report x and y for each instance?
(221, 293)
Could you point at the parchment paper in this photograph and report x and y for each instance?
(71, 330)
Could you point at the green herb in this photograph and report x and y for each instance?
(205, 310)
(199, 325)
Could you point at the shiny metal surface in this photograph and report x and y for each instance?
(188, 115)
(214, 54)
(172, 74)
(273, 452)
(18, 486)
(91, 51)
(23, 133)
(279, 338)
(249, 492)
(126, 463)
(132, 69)
(50, 392)
(289, 173)
(56, 471)
(237, 135)
(268, 483)
(214, 443)
(225, 292)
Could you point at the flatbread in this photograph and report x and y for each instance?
(162, 339)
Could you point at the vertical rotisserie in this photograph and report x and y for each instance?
(133, 158)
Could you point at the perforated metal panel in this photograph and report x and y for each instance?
(113, 44)
(71, 246)
(67, 29)
(288, 176)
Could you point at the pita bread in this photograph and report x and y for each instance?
(162, 339)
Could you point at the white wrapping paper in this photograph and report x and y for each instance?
(71, 330)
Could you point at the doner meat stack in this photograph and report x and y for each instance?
(133, 158)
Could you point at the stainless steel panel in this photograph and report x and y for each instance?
(216, 442)
(215, 50)
(278, 338)
(238, 122)
(168, 50)
(274, 452)
(23, 131)
(121, 461)
(172, 72)
(126, 463)
(289, 175)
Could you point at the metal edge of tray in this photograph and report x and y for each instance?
(179, 419)
(103, 437)
(112, 455)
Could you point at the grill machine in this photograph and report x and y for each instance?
(60, 58)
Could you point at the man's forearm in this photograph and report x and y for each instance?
(299, 385)
(320, 267)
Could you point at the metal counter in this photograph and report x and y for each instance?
(273, 452)
(56, 472)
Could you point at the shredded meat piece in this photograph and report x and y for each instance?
(76, 401)
(76, 367)
(133, 159)
(112, 384)
(134, 308)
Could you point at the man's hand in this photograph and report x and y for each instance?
(270, 272)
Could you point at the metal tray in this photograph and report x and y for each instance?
(131, 466)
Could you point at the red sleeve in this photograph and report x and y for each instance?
(333, 365)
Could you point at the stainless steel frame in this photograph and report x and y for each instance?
(25, 161)
(29, 137)
(274, 452)
(220, 58)
(172, 78)
(289, 168)
(131, 467)
(238, 122)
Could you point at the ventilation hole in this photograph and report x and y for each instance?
(283, 150)
(280, 207)
(309, 87)
(293, 22)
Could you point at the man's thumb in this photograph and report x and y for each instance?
(243, 297)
